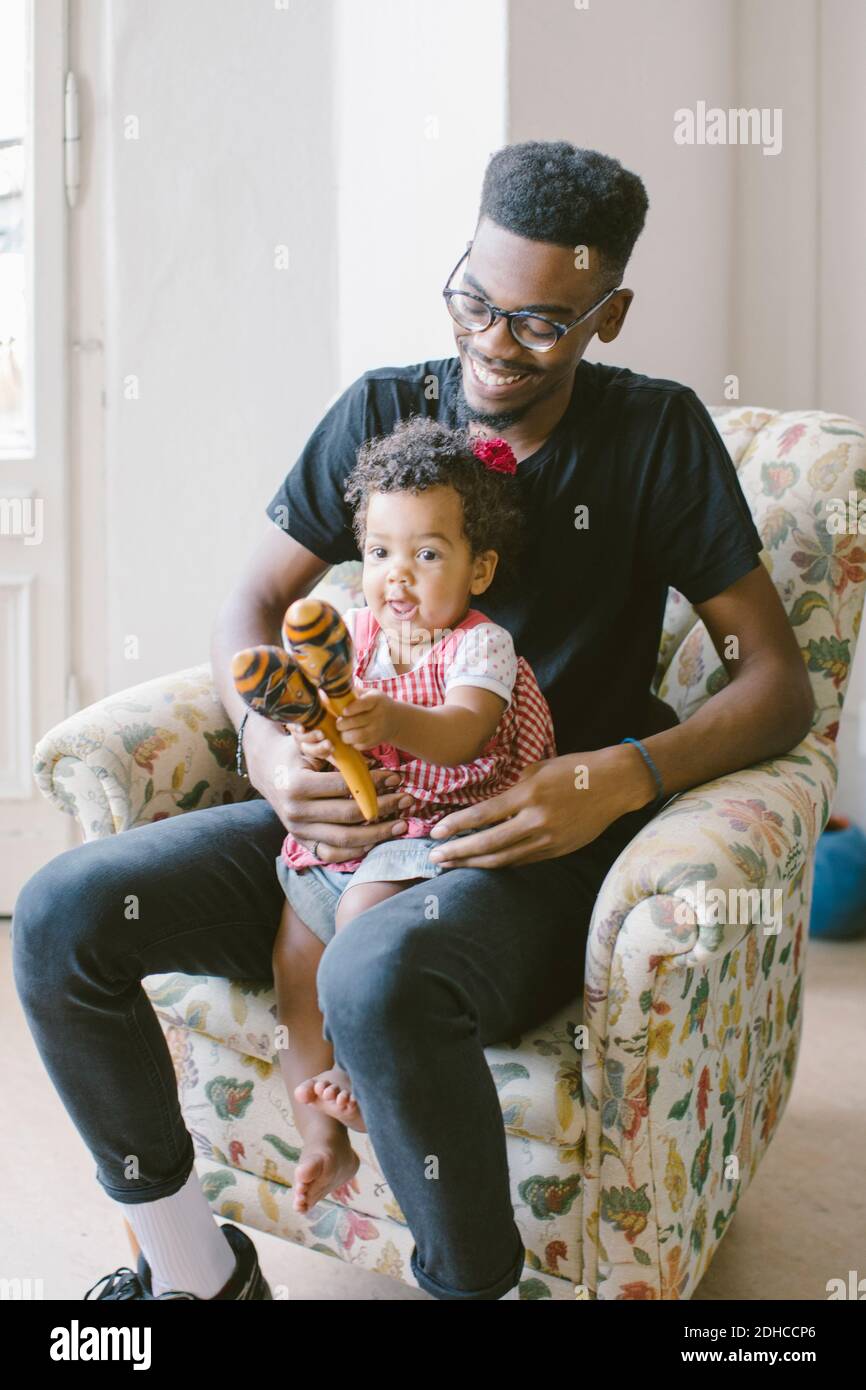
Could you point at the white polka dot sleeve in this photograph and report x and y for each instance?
(349, 617)
(486, 658)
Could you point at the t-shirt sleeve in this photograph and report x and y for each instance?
(309, 504)
(698, 530)
(486, 658)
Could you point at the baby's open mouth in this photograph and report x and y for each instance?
(402, 607)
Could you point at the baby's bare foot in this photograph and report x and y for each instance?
(324, 1166)
(331, 1092)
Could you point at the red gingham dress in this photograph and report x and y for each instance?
(523, 735)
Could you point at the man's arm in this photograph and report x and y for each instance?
(278, 572)
(766, 708)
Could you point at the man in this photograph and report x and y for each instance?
(626, 489)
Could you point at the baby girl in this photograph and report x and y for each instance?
(442, 698)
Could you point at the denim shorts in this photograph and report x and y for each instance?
(315, 892)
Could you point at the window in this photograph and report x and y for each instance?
(15, 301)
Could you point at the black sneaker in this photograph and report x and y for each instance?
(247, 1282)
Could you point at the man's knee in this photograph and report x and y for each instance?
(373, 970)
(60, 909)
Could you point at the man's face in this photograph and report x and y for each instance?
(513, 272)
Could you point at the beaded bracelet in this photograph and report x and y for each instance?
(239, 754)
(652, 767)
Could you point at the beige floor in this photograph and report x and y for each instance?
(802, 1221)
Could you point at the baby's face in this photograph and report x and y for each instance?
(419, 573)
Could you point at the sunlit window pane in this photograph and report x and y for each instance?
(14, 310)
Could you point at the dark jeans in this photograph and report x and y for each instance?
(410, 1002)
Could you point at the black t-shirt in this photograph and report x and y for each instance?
(665, 507)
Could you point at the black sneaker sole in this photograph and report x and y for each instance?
(253, 1286)
(248, 1283)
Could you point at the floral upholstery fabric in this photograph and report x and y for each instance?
(637, 1117)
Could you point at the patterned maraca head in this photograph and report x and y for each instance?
(269, 681)
(318, 639)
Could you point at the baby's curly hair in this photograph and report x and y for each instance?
(419, 453)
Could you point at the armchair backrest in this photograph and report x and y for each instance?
(803, 473)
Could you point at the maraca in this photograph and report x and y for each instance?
(319, 640)
(271, 684)
(269, 681)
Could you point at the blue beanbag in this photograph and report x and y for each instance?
(839, 895)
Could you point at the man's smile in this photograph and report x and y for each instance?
(495, 382)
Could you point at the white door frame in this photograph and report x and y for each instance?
(35, 601)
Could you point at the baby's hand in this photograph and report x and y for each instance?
(368, 720)
(313, 745)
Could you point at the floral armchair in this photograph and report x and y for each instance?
(637, 1116)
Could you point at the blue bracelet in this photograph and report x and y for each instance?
(652, 767)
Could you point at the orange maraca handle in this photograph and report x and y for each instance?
(353, 766)
(319, 640)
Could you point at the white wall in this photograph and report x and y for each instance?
(610, 78)
(775, 276)
(233, 357)
(841, 336)
(413, 137)
(87, 393)
(841, 193)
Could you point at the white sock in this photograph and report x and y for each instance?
(182, 1242)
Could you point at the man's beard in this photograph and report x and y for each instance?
(495, 420)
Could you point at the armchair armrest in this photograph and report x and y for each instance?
(151, 751)
(691, 1004)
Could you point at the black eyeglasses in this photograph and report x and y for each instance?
(530, 330)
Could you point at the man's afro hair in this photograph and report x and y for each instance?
(550, 190)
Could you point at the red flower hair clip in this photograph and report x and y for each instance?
(496, 454)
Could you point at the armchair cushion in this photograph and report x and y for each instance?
(220, 1034)
(157, 749)
(152, 751)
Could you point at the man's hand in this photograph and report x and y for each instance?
(553, 810)
(317, 806)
